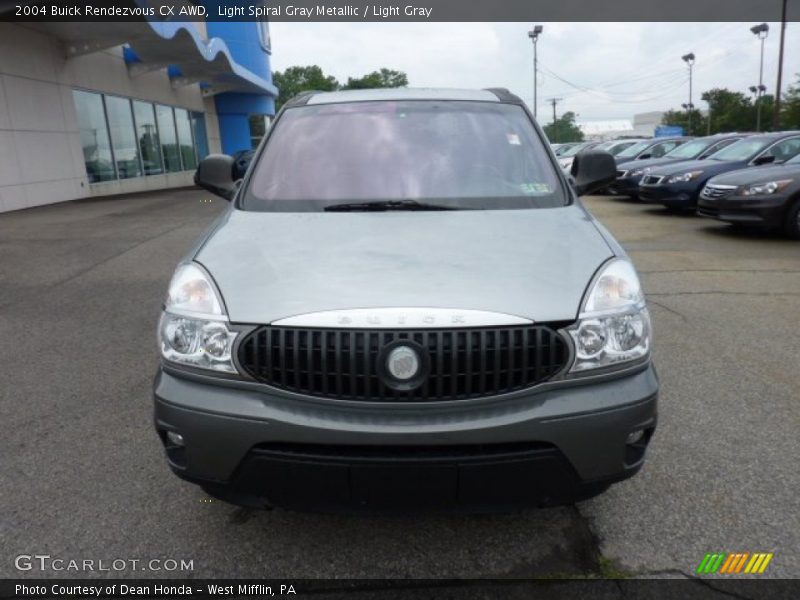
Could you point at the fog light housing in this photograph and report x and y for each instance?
(634, 436)
(175, 438)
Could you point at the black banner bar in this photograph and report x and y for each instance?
(683, 587)
(398, 10)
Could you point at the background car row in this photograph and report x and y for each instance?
(741, 178)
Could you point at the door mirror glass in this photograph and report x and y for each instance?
(215, 174)
(593, 170)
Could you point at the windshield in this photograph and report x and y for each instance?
(618, 147)
(572, 151)
(741, 150)
(691, 149)
(456, 154)
(634, 150)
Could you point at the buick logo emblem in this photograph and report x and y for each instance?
(403, 363)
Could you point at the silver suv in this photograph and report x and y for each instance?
(405, 306)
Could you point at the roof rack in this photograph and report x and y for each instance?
(302, 98)
(504, 95)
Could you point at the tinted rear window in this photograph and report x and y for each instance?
(479, 155)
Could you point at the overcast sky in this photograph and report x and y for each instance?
(620, 68)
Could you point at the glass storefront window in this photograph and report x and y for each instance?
(94, 137)
(258, 129)
(168, 138)
(123, 137)
(147, 137)
(188, 156)
(200, 137)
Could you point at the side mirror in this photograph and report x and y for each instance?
(644, 156)
(764, 160)
(215, 174)
(593, 170)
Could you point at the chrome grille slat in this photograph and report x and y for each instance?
(342, 363)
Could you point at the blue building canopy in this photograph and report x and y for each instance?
(153, 45)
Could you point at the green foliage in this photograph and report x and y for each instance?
(385, 78)
(564, 129)
(294, 80)
(790, 106)
(680, 118)
(300, 79)
(731, 111)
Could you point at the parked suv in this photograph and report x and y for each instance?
(678, 185)
(405, 306)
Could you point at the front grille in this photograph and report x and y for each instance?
(651, 179)
(714, 192)
(343, 363)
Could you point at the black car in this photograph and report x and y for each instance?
(768, 197)
(241, 162)
(629, 174)
(652, 148)
(678, 185)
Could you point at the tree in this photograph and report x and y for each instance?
(385, 78)
(564, 129)
(729, 111)
(790, 107)
(680, 118)
(299, 79)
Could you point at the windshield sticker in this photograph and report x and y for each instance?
(513, 139)
(536, 188)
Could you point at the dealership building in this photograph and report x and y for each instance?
(96, 109)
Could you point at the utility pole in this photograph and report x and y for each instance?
(534, 35)
(777, 109)
(555, 101)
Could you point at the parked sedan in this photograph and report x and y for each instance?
(768, 197)
(629, 174)
(678, 185)
(653, 148)
(566, 159)
(562, 148)
(614, 147)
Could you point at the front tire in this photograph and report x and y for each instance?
(791, 226)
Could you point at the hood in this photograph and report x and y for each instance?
(529, 263)
(707, 166)
(648, 162)
(759, 175)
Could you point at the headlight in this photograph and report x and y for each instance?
(614, 325)
(764, 189)
(194, 328)
(684, 177)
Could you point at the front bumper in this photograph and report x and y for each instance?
(550, 444)
(626, 186)
(673, 195)
(768, 212)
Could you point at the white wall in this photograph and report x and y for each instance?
(41, 159)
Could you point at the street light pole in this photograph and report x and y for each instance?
(761, 31)
(689, 60)
(777, 111)
(534, 35)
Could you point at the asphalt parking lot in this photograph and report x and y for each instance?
(83, 475)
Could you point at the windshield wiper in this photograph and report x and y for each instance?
(383, 205)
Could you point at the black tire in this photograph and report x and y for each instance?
(791, 226)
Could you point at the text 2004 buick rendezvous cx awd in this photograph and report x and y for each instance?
(405, 306)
